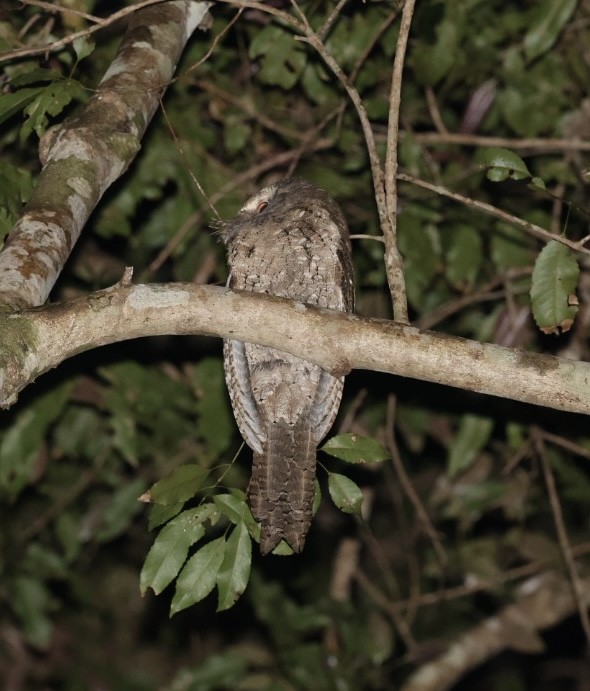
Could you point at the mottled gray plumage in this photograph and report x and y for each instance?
(289, 240)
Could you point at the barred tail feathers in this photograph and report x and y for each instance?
(282, 485)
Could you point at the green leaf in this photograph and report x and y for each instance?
(170, 549)
(51, 101)
(463, 256)
(503, 164)
(419, 244)
(234, 573)
(38, 74)
(345, 493)
(236, 509)
(31, 601)
(10, 104)
(472, 435)
(198, 577)
(282, 58)
(553, 288)
(83, 47)
(214, 418)
(354, 448)
(16, 184)
(510, 247)
(123, 507)
(182, 484)
(161, 514)
(432, 62)
(551, 17)
(22, 442)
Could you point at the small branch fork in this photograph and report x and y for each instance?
(384, 175)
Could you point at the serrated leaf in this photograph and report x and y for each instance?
(503, 164)
(198, 577)
(354, 448)
(345, 493)
(234, 573)
(181, 485)
(553, 287)
(170, 548)
(472, 435)
(550, 20)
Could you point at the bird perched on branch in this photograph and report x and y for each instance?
(289, 240)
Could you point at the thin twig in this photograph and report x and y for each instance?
(393, 259)
(387, 606)
(434, 111)
(406, 483)
(268, 9)
(562, 535)
(393, 268)
(249, 109)
(364, 236)
(70, 38)
(457, 592)
(486, 293)
(372, 43)
(533, 143)
(187, 164)
(327, 25)
(566, 444)
(54, 8)
(530, 228)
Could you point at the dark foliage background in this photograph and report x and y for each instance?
(85, 441)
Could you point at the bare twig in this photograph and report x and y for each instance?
(393, 259)
(564, 543)
(530, 228)
(268, 9)
(434, 111)
(70, 38)
(538, 145)
(406, 483)
(394, 269)
(384, 602)
(55, 8)
(327, 25)
(486, 293)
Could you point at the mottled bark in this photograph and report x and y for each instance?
(34, 341)
(89, 151)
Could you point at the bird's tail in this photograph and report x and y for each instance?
(282, 486)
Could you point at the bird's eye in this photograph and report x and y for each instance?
(261, 207)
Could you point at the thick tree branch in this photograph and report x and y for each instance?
(87, 153)
(33, 341)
